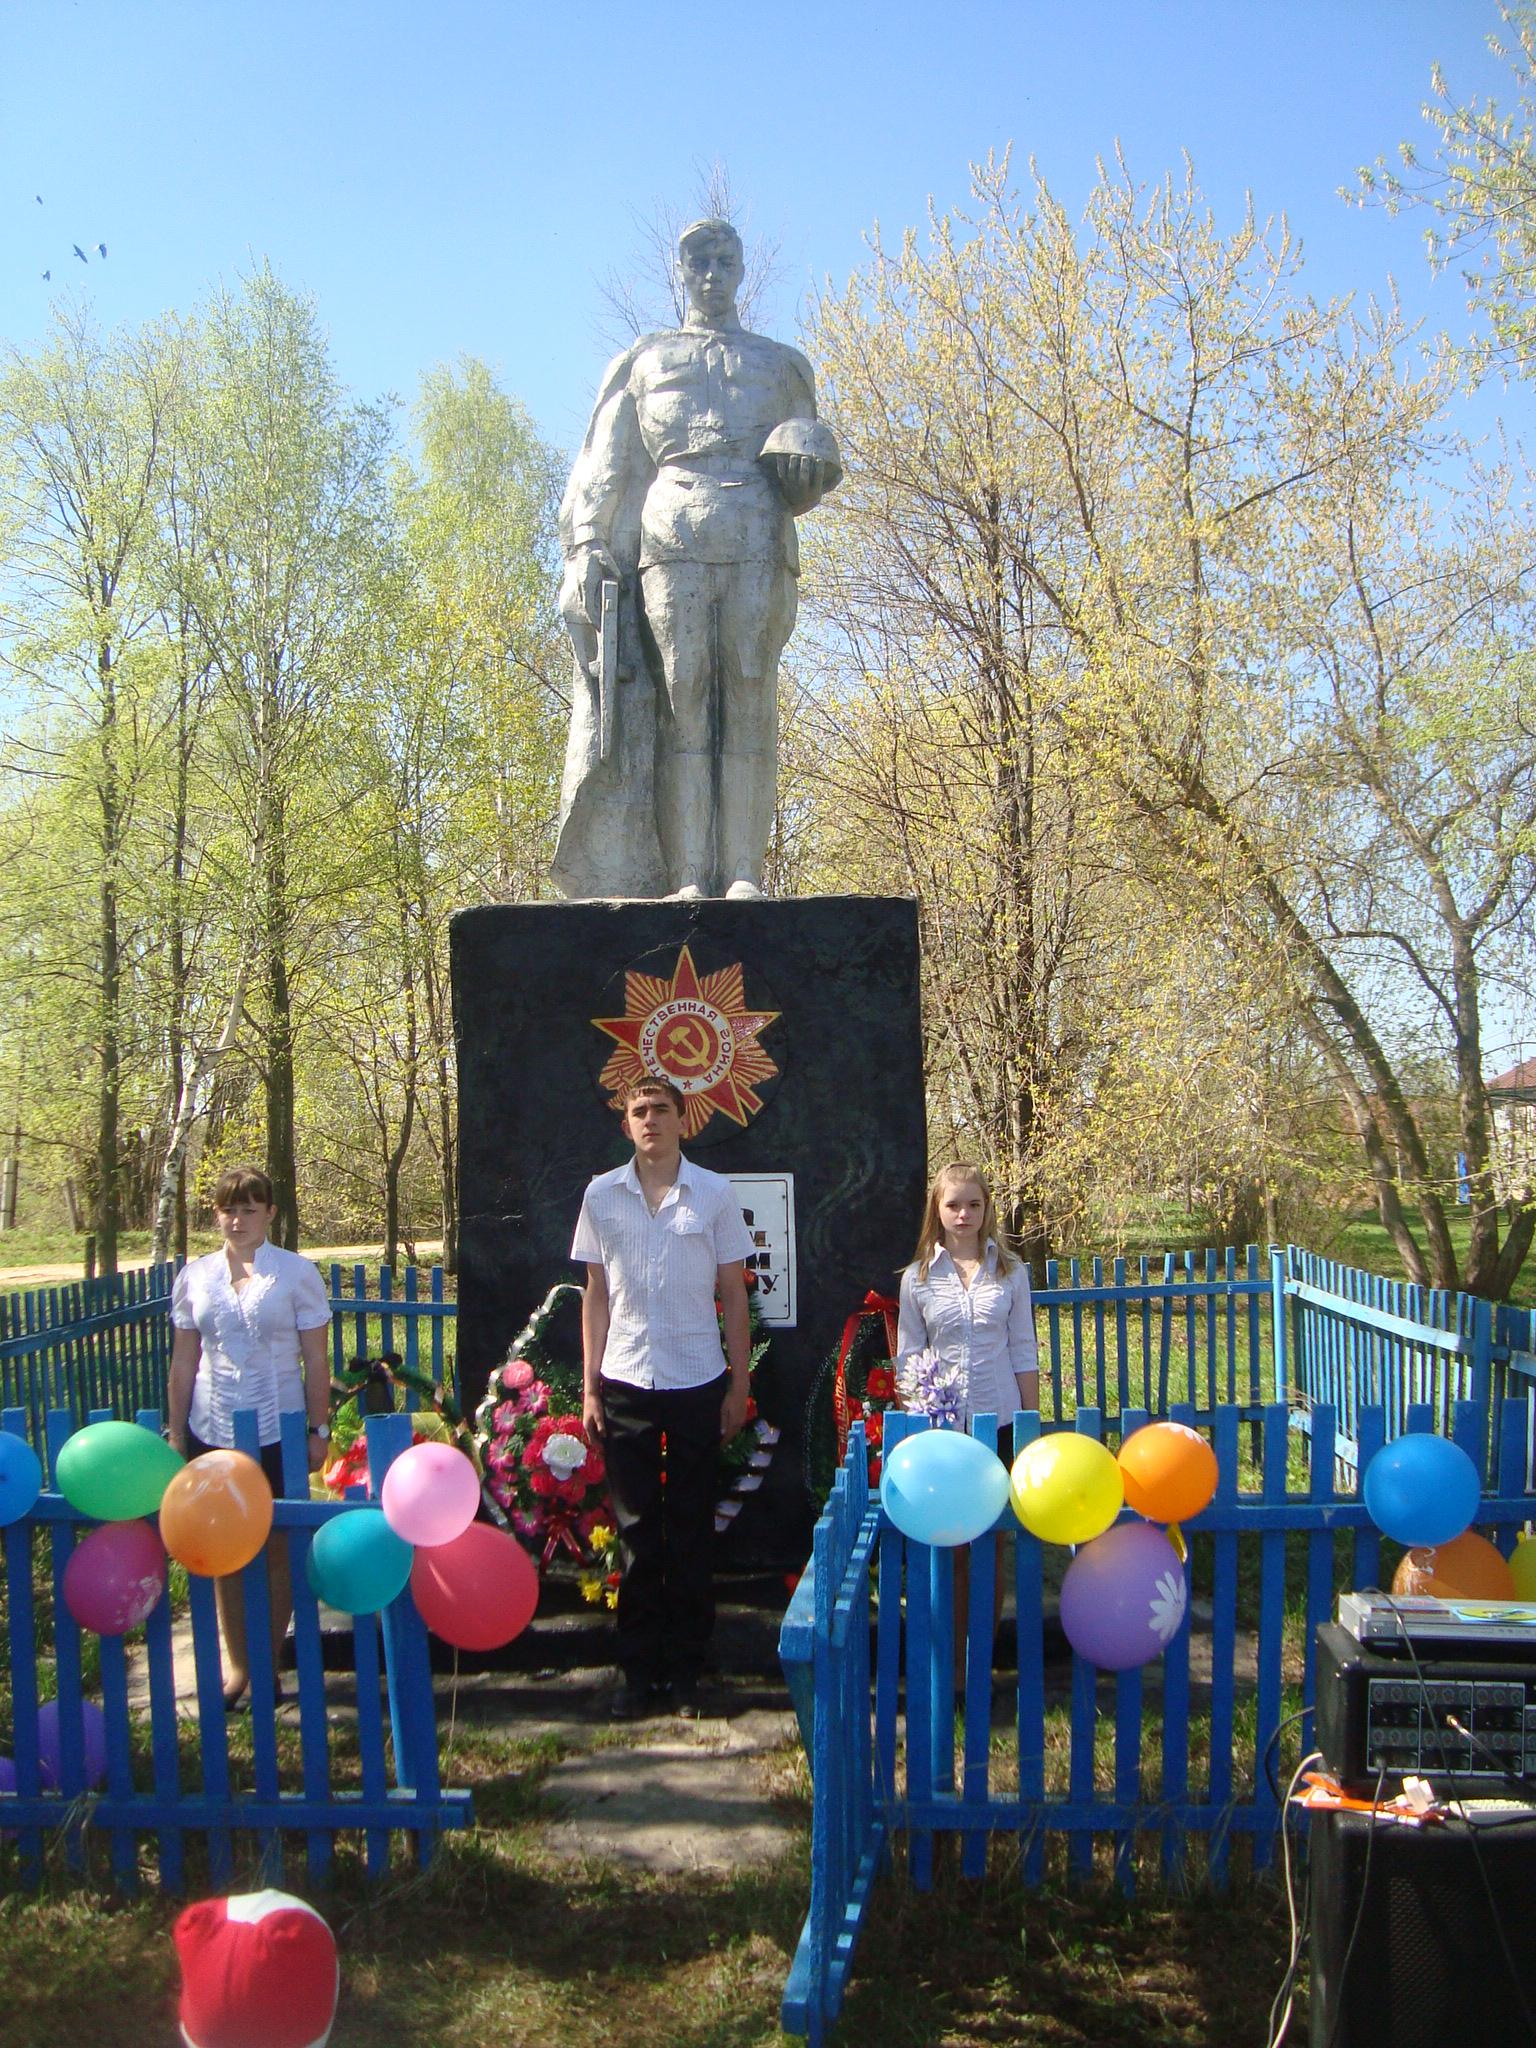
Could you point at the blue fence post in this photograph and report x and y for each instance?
(1279, 1329)
(407, 1657)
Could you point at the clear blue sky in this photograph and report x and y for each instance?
(457, 176)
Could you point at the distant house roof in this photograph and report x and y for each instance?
(1518, 1085)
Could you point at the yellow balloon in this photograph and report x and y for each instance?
(1066, 1488)
(1522, 1568)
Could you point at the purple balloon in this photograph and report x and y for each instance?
(7, 1775)
(50, 1756)
(1125, 1597)
(115, 1577)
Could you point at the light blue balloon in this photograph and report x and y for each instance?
(1422, 1490)
(21, 1478)
(943, 1488)
(357, 1563)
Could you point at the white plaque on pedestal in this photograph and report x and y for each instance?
(768, 1206)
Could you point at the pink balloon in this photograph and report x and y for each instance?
(431, 1494)
(115, 1577)
(477, 1592)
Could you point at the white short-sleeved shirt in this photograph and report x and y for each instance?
(250, 1340)
(987, 1329)
(663, 1330)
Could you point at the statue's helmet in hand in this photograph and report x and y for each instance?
(805, 437)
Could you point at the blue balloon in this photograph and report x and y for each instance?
(1422, 1490)
(357, 1563)
(21, 1478)
(944, 1488)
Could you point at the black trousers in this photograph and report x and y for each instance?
(666, 1611)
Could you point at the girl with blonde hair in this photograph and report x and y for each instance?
(966, 1298)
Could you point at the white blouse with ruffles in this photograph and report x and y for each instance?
(987, 1329)
(251, 1353)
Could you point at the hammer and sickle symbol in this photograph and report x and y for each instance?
(688, 1045)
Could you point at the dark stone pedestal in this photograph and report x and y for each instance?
(816, 1072)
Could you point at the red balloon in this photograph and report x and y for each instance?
(477, 1592)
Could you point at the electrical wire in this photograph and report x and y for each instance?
(1271, 1746)
(1287, 1986)
(1354, 1932)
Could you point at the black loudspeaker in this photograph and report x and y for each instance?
(1426, 1968)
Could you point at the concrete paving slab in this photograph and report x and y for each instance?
(677, 1802)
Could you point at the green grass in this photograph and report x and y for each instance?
(502, 1941)
(1363, 1241)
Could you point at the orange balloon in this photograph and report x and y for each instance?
(1466, 1568)
(1169, 1471)
(216, 1513)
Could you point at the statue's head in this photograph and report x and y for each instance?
(709, 255)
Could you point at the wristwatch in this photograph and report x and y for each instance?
(323, 1431)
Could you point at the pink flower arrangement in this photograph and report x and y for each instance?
(540, 1469)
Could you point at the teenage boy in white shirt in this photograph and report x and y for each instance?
(662, 1240)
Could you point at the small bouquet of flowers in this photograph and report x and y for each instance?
(931, 1386)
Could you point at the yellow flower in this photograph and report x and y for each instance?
(591, 1588)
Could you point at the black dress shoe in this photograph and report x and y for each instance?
(630, 1703)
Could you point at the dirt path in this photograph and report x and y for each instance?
(665, 1795)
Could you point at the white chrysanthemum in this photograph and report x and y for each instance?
(564, 1454)
(1168, 1604)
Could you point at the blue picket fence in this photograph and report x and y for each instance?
(868, 1653)
(1184, 1327)
(105, 1344)
(1209, 1329)
(164, 1792)
(1348, 1340)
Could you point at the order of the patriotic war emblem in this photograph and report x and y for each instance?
(697, 1031)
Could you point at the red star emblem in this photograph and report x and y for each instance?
(696, 1032)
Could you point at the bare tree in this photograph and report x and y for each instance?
(650, 295)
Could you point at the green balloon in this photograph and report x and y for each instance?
(115, 1471)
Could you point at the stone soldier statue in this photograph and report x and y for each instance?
(679, 594)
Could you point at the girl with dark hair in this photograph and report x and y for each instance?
(250, 1326)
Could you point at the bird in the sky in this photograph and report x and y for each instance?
(101, 248)
(38, 197)
(80, 252)
(47, 276)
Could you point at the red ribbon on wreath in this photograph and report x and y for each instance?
(562, 1525)
(874, 1305)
